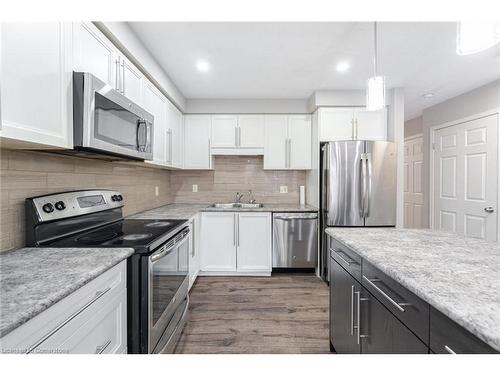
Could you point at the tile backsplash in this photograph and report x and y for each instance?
(26, 174)
(233, 174)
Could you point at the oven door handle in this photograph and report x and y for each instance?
(163, 252)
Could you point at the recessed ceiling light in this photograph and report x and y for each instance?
(342, 66)
(203, 66)
(428, 95)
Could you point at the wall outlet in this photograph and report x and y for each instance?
(195, 188)
(157, 191)
(283, 189)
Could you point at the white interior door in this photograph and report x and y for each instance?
(465, 178)
(413, 197)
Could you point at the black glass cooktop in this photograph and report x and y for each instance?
(138, 234)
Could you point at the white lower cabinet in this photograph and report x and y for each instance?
(236, 243)
(253, 252)
(92, 320)
(194, 249)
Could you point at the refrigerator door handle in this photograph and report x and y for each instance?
(368, 184)
(362, 186)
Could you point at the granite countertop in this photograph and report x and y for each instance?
(458, 276)
(33, 279)
(186, 210)
(171, 211)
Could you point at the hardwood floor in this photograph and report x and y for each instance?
(285, 313)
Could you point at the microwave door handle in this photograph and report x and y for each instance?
(141, 146)
(148, 135)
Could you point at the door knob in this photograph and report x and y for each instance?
(489, 209)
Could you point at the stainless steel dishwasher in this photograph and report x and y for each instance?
(295, 240)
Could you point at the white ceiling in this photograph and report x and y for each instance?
(292, 60)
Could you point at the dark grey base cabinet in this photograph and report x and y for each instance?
(372, 313)
(447, 337)
(385, 333)
(361, 324)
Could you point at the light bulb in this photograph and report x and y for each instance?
(375, 93)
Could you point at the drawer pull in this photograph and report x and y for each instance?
(98, 295)
(398, 305)
(346, 261)
(352, 310)
(449, 350)
(101, 348)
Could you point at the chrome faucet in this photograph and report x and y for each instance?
(238, 197)
(251, 199)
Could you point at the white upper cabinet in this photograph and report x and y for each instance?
(156, 104)
(197, 154)
(299, 144)
(94, 53)
(132, 81)
(287, 142)
(276, 142)
(36, 84)
(224, 131)
(336, 124)
(251, 131)
(371, 125)
(174, 136)
(340, 124)
(237, 134)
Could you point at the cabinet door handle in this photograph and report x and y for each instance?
(356, 128)
(352, 310)
(98, 295)
(352, 129)
(398, 305)
(449, 350)
(117, 74)
(234, 230)
(193, 243)
(348, 262)
(123, 79)
(101, 348)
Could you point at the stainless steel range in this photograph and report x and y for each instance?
(157, 274)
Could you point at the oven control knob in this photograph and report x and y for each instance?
(120, 197)
(60, 205)
(48, 208)
(114, 198)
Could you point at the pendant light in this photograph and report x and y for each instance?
(375, 87)
(477, 36)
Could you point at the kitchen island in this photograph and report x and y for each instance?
(458, 277)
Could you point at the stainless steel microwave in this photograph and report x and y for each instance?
(107, 124)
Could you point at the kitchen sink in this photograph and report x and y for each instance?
(237, 205)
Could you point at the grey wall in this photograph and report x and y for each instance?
(246, 106)
(479, 100)
(413, 127)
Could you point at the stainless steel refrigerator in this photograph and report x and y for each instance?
(358, 188)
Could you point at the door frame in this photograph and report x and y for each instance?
(412, 138)
(432, 130)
